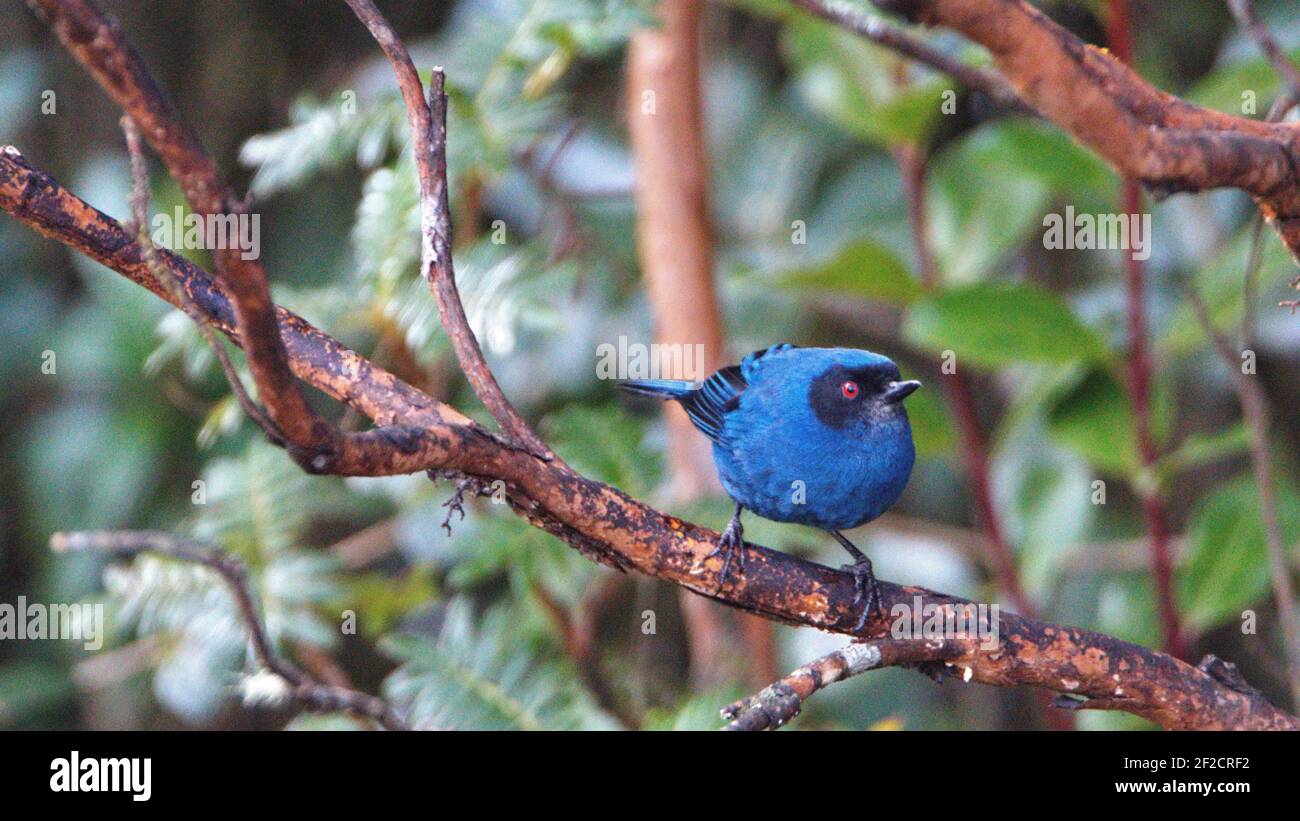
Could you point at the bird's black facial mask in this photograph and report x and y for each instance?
(842, 395)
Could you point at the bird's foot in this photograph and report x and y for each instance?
(731, 547)
(866, 590)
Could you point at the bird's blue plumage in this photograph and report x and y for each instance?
(792, 445)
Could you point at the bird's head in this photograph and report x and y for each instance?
(859, 388)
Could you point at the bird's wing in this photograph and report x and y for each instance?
(749, 366)
(719, 394)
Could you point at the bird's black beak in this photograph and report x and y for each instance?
(898, 391)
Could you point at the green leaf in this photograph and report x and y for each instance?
(1095, 420)
(864, 268)
(1225, 88)
(1219, 281)
(605, 443)
(381, 600)
(1202, 448)
(483, 677)
(931, 429)
(1032, 148)
(911, 115)
(980, 213)
(1044, 493)
(1227, 568)
(995, 324)
(850, 82)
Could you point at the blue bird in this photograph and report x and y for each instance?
(816, 436)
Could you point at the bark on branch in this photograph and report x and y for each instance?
(1166, 143)
(100, 46)
(428, 122)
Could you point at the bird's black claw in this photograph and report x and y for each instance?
(731, 547)
(866, 590)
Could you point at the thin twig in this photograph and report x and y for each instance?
(428, 120)
(140, 213)
(779, 702)
(308, 692)
(913, 167)
(878, 31)
(1254, 412)
(1244, 11)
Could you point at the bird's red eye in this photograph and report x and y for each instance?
(850, 390)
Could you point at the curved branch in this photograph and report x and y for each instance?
(176, 294)
(429, 136)
(97, 42)
(309, 693)
(1168, 144)
(778, 703)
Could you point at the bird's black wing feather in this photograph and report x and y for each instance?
(719, 394)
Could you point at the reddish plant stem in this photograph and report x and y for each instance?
(975, 453)
(975, 458)
(912, 164)
(1119, 35)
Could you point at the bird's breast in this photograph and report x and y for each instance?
(832, 482)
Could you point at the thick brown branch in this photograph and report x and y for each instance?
(99, 45)
(610, 527)
(429, 137)
(308, 692)
(1166, 143)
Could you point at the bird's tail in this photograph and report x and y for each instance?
(660, 388)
